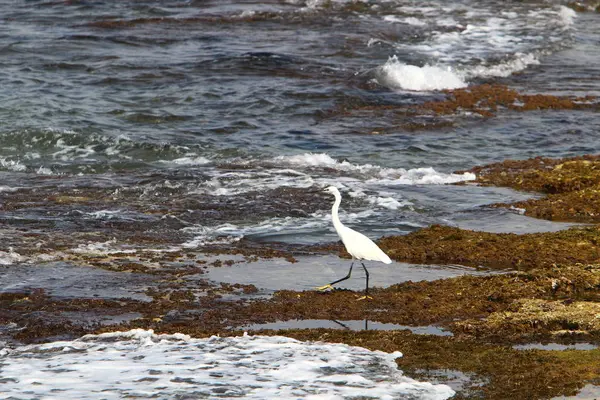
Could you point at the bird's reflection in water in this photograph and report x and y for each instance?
(366, 328)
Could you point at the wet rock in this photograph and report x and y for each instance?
(449, 245)
(584, 5)
(486, 99)
(472, 102)
(527, 318)
(572, 186)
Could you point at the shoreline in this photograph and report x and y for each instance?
(548, 291)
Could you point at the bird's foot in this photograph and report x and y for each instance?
(367, 297)
(324, 287)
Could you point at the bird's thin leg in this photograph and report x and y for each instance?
(366, 296)
(346, 277)
(330, 285)
(367, 274)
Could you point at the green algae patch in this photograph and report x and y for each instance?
(408, 303)
(486, 99)
(540, 174)
(572, 186)
(579, 206)
(537, 317)
(473, 102)
(584, 5)
(449, 245)
(442, 302)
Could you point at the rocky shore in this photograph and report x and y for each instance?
(546, 290)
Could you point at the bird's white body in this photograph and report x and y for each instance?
(361, 247)
(358, 245)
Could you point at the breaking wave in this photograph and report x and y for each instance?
(139, 363)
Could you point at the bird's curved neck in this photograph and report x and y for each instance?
(334, 212)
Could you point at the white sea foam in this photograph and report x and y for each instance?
(372, 184)
(12, 165)
(428, 176)
(236, 183)
(447, 22)
(104, 214)
(10, 257)
(323, 160)
(72, 152)
(505, 68)
(44, 171)
(139, 363)
(188, 160)
(414, 21)
(247, 14)
(316, 4)
(397, 75)
(375, 172)
(100, 248)
(567, 15)
(520, 211)
(311, 160)
(68, 146)
(480, 35)
(408, 20)
(388, 202)
(231, 233)
(220, 234)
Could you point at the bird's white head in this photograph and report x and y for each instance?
(332, 189)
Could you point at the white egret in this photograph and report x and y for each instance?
(358, 245)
